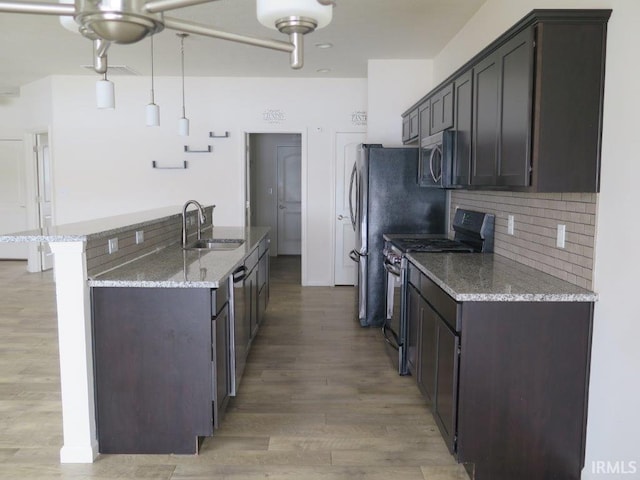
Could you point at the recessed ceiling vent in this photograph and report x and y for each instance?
(121, 70)
(12, 92)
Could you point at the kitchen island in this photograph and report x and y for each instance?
(501, 351)
(138, 251)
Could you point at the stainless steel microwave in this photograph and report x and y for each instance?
(435, 162)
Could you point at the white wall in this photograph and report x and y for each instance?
(393, 86)
(102, 158)
(614, 419)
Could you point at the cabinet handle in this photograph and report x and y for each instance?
(239, 274)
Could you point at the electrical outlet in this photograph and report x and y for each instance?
(562, 230)
(113, 245)
(510, 224)
(139, 237)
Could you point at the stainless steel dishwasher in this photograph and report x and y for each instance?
(239, 329)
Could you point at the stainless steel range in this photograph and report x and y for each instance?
(473, 233)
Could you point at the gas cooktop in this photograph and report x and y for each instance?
(430, 244)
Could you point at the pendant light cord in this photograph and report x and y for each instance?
(152, 84)
(182, 56)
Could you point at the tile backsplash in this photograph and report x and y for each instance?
(537, 216)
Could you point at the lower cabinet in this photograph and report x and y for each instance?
(507, 382)
(160, 366)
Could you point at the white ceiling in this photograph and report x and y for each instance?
(34, 46)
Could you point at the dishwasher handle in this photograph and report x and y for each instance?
(239, 274)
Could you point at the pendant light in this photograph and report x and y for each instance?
(105, 93)
(183, 122)
(153, 110)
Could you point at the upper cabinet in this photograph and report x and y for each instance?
(442, 109)
(526, 112)
(410, 126)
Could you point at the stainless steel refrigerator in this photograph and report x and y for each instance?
(385, 198)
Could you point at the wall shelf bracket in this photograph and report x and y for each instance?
(213, 135)
(187, 149)
(155, 165)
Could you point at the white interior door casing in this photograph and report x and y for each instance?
(45, 195)
(345, 270)
(13, 206)
(289, 200)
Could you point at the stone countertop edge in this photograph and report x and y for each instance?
(98, 228)
(488, 277)
(173, 267)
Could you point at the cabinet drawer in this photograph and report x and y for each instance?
(440, 300)
(252, 260)
(219, 298)
(414, 276)
(264, 246)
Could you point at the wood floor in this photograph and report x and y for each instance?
(319, 398)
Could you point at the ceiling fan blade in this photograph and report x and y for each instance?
(40, 8)
(199, 29)
(156, 6)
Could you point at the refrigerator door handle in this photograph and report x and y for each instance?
(353, 255)
(352, 213)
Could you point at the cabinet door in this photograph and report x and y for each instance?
(428, 350)
(413, 328)
(463, 110)
(220, 329)
(445, 406)
(442, 109)
(414, 127)
(486, 121)
(514, 150)
(425, 119)
(405, 129)
(251, 286)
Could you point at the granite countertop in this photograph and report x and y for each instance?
(173, 267)
(487, 277)
(101, 227)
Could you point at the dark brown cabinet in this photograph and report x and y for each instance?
(424, 112)
(410, 126)
(507, 382)
(160, 365)
(441, 109)
(502, 114)
(535, 98)
(463, 121)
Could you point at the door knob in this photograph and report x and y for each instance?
(281, 207)
(341, 217)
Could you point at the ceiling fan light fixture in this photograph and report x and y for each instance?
(273, 12)
(105, 94)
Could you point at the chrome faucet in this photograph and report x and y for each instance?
(201, 219)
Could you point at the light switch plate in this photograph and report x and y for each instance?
(113, 245)
(139, 237)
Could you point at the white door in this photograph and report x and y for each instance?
(345, 270)
(289, 200)
(13, 206)
(43, 164)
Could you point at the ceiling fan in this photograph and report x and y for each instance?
(129, 21)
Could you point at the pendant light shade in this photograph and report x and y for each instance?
(105, 93)
(152, 114)
(183, 123)
(270, 12)
(152, 110)
(183, 127)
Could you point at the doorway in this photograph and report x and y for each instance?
(13, 213)
(274, 186)
(43, 196)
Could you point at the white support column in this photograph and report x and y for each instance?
(76, 353)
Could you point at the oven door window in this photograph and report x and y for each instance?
(430, 166)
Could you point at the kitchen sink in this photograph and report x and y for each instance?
(215, 244)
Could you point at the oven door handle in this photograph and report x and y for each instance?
(391, 268)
